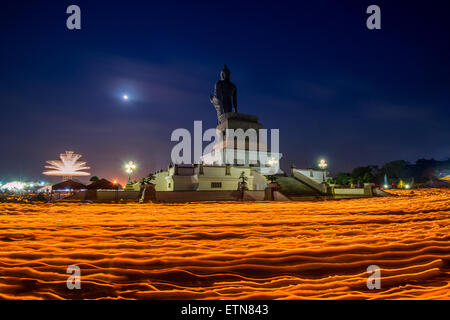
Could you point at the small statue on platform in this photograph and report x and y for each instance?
(224, 99)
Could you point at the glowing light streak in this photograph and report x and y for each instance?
(68, 166)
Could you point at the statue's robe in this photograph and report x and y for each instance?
(225, 92)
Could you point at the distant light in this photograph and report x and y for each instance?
(407, 186)
(272, 161)
(115, 182)
(386, 186)
(125, 97)
(15, 185)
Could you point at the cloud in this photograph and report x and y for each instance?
(157, 83)
(396, 112)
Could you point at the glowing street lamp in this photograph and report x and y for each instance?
(323, 165)
(129, 168)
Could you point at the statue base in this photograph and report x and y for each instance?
(241, 150)
(234, 120)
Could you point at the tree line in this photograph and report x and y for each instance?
(423, 171)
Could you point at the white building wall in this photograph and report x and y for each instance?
(163, 182)
(246, 158)
(218, 175)
(186, 181)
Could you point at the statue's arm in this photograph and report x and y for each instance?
(216, 100)
(217, 92)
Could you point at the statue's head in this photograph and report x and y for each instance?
(225, 73)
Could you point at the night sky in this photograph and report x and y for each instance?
(310, 68)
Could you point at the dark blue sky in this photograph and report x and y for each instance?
(310, 68)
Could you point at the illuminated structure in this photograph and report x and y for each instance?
(67, 167)
(241, 149)
(386, 185)
(13, 186)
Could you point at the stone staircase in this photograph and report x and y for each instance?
(313, 184)
(295, 189)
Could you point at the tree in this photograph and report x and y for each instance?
(342, 178)
(94, 179)
(148, 179)
(243, 177)
(426, 170)
(368, 177)
(364, 174)
(396, 169)
(272, 178)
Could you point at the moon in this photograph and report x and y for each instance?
(125, 97)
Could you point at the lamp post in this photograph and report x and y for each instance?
(323, 165)
(116, 186)
(129, 168)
